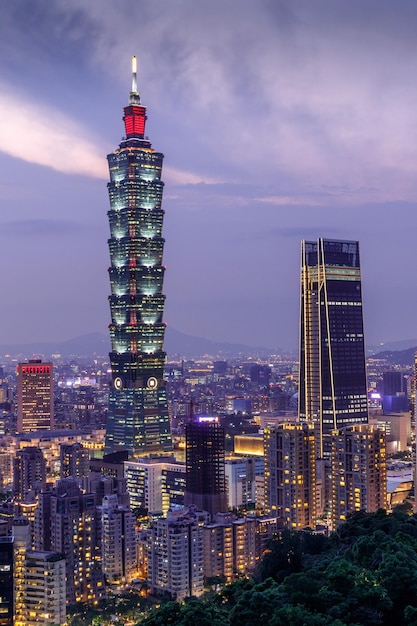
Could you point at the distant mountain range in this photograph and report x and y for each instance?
(177, 344)
(181, 345)
(398, 357)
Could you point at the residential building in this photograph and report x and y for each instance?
(29, 474)
(359, 474)
(290, 474)
(70, 527)
(175, 555)
(75, 460)
(44, 586)
(118, 541)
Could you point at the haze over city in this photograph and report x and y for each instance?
(279, 121)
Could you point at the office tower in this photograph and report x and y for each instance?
(359, 475)
(332, 388)
(205, 472)
(175, 555)
(6, 581)
(138, 419)
(29, 474)
(290, 474)
(44, 597)
(71, 517)
(118, 541)
(35, 396)
(75, 460)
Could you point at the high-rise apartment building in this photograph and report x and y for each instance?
(21, 544)
(118, 541)
(75, 460)
(332, 389)
(29, 474)
(175, 554)
(290, 474)
(205, 465)
(359, 475)
(44, 598)
(138, 419)
(35, 396)
(235, 546)
(66, 522)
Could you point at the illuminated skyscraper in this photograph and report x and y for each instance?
(332, 392)
(138, 418)
(35, 396)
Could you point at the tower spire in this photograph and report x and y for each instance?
(135, 113)
(134, 94)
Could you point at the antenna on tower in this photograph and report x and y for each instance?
(134, 95)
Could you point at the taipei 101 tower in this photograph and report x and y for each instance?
(138, 419)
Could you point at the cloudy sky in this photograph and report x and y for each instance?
(279, 121)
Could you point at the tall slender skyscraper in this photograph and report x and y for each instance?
(138, 419)
(333, 391)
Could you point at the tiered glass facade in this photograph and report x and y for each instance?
(333, 391)
(138, 418)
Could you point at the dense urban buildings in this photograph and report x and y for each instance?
(173, 501)
(35, 396)
(332, 389)
(138, 417)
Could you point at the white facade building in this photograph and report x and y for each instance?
(175, 554)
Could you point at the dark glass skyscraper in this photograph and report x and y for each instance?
(332, 391)
(138, 418)
(205, 468)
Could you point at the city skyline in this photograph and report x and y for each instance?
(279, 123)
